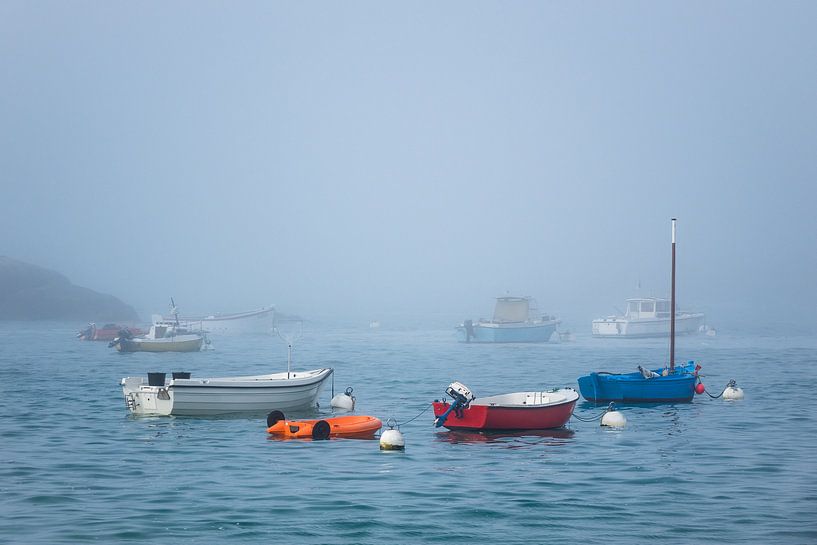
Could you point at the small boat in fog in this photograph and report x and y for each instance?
(187, 396)
(514, 411)
(647, 317)
(252, 321)
(107, 332)
(162, 337)
(515, 320)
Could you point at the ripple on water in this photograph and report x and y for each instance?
(75, 468)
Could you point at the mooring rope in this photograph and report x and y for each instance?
(605, 411)
(731, 384)
(415, 418)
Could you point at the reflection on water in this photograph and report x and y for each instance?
(510, 439)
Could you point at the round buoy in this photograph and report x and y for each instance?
(613, 418)
(392, 440)
(345, 401)
(732, 392)
(699, 388)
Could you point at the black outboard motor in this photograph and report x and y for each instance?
(469, 330)
(124, 334)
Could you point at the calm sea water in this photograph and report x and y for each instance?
(75, 468)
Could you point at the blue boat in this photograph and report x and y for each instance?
(643, 386)
(515, 321)
(673, 384)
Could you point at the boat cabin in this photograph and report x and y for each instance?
(651, 307)
(510, 310)
(166, 330)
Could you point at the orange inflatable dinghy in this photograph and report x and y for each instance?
(338, 426)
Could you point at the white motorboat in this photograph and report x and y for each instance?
(647, 317)
(253, 321)
(187, 396)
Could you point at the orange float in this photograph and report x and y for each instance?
(361, 427)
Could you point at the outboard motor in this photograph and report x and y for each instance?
(462, 397)
(469, 330)
(123, 334)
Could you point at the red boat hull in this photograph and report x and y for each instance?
(484, 417)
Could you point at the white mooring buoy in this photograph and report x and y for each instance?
(345, 401)
(732, 392)
(392, 439)
(613, 418)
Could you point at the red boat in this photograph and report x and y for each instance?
(515, 411)
(108, 332)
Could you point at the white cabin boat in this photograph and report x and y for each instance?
(647, 317)
(258, 394)
(253, 321)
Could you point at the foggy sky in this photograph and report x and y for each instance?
(371, 159)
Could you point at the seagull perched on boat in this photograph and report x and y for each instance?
(646, 373)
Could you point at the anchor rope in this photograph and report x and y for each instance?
(415, 418)
(577, 417)
(731, 384)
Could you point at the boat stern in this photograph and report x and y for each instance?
(145, 400)
(609, 327)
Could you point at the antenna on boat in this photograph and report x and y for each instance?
(672, 307)
(289, 337)
(174, 310)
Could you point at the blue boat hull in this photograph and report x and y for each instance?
(538, 333)
(634, 388)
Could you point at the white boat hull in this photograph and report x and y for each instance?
(255, 321)
(525, 332)
(216, 396)
(649, 327)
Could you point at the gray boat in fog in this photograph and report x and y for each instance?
(515, 320)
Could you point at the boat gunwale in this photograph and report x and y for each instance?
(564, 401)
(224, 317)
(255, 381)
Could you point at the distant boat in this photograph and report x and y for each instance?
(257, 394)
(107, 332)
(670, 384)
(162, 337)
(253, 321)
(515, 321)
(515, 411)
(647, 317)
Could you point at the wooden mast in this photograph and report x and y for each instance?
(672, 307)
